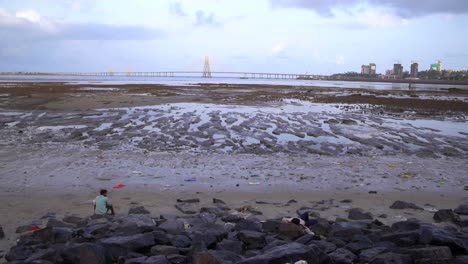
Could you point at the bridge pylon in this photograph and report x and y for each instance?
(206, 68)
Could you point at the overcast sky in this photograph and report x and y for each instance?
(291, 36)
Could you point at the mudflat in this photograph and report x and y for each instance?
(258, 145)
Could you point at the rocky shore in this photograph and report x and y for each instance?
(219, 234)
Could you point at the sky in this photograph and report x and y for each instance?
(287, 36)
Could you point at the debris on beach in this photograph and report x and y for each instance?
(119, 186)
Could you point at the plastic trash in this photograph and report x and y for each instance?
(119, 186)
(392, 165)
(34, 228)
(190, 180)
(254, 183)
(406, 175)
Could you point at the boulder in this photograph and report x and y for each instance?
(408, 225)
(342, 256)
(367, 255)
(2, 234)
(252, 239)
(208, 233)
(92, 254)
(177, 259)
(57, 223)
(321, 228)
(432, 235)
(186, 208)
(218, 201)
(359, 214)
(138, 210)
(344, 233)
(291, 252)
(216, 257)
(391, 258)
(462, 209)
(230, 245)
(19, 253)
(148, 260)
(446, 215)
(404, 205)
(271, 226)
(252, 224)
(189, 200)
(181, 241)
(73, 219)
(173, 227)
(232, 218)
(135, 242)
(143, 221)
(402, 239)
(164, 250)
(434, 253)
(325, 246)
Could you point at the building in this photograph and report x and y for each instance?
(436, 66)
(365, 69)
(398, 70)
(373, 68)
(414, 70)
(370, 69)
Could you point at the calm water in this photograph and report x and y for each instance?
(178, 81)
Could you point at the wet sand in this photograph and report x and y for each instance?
(60, 143)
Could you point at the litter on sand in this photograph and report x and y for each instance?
(406, 175)
(190, 180)
(392, 165)
(254, 183)
(119, 186)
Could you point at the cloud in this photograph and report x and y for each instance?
(203, 19)
(175, 8)
(402, 8)
(28, 25)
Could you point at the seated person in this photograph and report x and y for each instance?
(102, 205)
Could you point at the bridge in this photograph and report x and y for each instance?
(207, 73)
(241, 75)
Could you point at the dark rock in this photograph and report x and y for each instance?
(216, 257)
(271, 243)
(218, 201)
(434, 253)
(92, 254)
(346, 201)
(230, 245)
(73, 219)
(18, 253)
(191, 200)
(403, 239)
(2, 234)
(252, 239)
(232, 218)
(359, 214)
(164, 250)
(291, 201)
(208, 233)
(383, 216)
(177, 259)
(367, 255)
(161, 237)
(325, 246)
(344, 233)
(289, 253)
(306, 239)
(321, 228)
(271, 226)
(460, 260)
(186, 208)
(431, 235)
(181, 241)
(348, 122)
(57, 223)
(446, 215)
(143, 221)
(150, 260)
(171, 217)
(462, 209)
(408, 225)
(213, 210)
(342, 256)
(392, 258)
(138, 210)
(404, 205)
(173, 227)
(252, 224)
(134, 242)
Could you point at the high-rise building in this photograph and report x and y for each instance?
(369, 69)
(373, 68)
(436, 66)
(414, 70)
(365, 69)
(398, 69)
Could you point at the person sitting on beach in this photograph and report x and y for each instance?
(102, 205)
(299, 222)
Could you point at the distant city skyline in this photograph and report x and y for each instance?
(290, 36)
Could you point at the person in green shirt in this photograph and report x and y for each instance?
(102, 205)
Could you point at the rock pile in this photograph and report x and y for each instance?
(220, 235)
